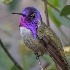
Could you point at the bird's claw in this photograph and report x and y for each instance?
(37, 56)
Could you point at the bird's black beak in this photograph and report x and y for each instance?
(20, 14)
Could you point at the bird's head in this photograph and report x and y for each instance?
(29, 19)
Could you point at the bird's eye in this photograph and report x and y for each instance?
(33, 15)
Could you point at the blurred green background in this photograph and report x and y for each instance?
(10, 34)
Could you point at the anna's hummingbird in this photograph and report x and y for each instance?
(40, 38)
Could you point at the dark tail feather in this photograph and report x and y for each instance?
(54, 53)
(57, 60)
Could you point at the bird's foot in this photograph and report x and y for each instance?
(37, 55)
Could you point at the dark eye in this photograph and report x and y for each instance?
(33, 15)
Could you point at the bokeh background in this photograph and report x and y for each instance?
(10, 34)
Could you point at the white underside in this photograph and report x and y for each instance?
(24, 30)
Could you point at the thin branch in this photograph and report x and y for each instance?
(56, 9)
(46, 66)
(58, 67)
(46, 12)
(15, 63)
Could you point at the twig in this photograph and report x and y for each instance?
(46, 66)
(40, 63)
(15, 63)
(56, 9)
(58, 67)
(46, 12)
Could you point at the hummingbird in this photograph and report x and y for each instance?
(40, 38)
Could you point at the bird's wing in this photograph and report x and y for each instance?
(56, 53)
(54, 47)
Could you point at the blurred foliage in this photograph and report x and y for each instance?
(13, 5)
(68, 59)
(55, 15)
(52, 67)
(14, 68)
(5, 62)
(7, 1)
(67, 50)
(48, 58)
(6, 29)
(65, 11)
(55, 4)
(62, 20)
(54, 19)
(61, 3)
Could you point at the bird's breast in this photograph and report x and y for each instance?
(24, 31)
(30, 42)
(27, 36)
